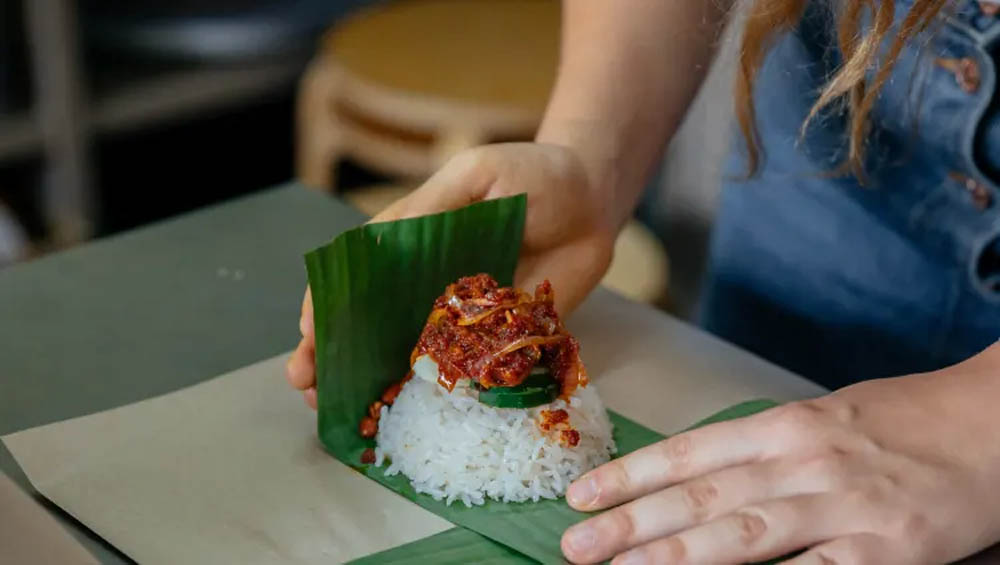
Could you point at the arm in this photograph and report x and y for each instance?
(628, 71)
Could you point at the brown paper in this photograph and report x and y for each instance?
(231, 471)
(28, 534)
(228, 471)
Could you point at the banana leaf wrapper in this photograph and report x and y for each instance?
(372, 289)
(458, 545)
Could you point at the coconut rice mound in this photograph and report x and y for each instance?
(452, 447)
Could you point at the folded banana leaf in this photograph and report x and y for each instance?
(458, 546)
(372, 288)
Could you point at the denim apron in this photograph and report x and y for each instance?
(842, 282)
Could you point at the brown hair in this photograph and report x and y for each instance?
(767, 19)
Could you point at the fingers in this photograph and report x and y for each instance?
(857, 549)
(667, 462)
(661, 514)
(306, 318)
(395, 211)
(683, 506)
(300, 370)
(301, 367)
(574, 269)
(309, 395)
(465, 179)
(763, 531)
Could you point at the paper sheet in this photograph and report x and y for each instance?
(231, 471)
(228, 471)
(28, 534)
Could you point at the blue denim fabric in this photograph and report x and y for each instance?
(842, 282)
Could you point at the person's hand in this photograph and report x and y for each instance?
(568, 235)
(892, 471)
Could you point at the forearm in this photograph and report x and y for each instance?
(628, 71)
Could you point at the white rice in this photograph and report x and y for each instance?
(454, 448)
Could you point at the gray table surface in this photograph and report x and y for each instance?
(154, 310)
(157, 309)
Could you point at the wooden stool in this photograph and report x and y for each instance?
(402, 87)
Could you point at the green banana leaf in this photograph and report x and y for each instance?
(458, 546)
(372, 288)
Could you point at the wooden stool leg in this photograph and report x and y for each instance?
(317, 135)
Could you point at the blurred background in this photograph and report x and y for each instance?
(117, 114)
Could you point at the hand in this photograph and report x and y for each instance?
(568, 235)
(899, 470)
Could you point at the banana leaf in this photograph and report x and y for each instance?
(458, 546)
(372, 288)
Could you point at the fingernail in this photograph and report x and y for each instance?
(634, 557)
(581, 539)
(306, 326)
(582, 493)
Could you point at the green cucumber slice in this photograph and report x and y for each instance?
(539, 388)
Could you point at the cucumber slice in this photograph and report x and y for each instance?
(539, 388)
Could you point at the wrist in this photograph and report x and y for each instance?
(980, 372)
(965, 395)
(600, 157)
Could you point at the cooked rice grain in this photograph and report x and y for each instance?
(451, 447)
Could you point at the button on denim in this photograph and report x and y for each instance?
(843, 281)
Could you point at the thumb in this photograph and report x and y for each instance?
(306, 317)
(465, 179)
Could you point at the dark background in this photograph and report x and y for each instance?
(160, 162)
(177, 163)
